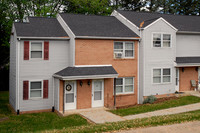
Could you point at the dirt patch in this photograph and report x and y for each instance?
(159, 100)
(3, 119)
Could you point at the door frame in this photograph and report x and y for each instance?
(178, 85)
(75, 95)
(93, 93)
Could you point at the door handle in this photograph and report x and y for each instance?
(75, 96)
(92, 95)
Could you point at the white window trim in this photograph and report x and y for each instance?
(123, 86)
(152, 46)
(42, 50)
(123, 53)
(29, 89)
(161, 75)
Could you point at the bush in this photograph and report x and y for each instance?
(150, 99)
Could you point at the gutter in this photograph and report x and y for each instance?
(188, 32)
(111, 38)
(43, 38)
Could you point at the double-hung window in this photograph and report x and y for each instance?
(161, 40)
(124, 49)
(36, 89)
(36, 50)
(125, 85)
(161, 75)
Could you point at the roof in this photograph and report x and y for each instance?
(40, 27)
(187, 60)
(95, 25)
(87, 71)
(181, 22)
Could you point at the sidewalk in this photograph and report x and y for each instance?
(103, 116)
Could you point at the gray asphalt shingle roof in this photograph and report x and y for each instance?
(40, 27)
(187, 60)
(94, 25)
(87, 71)
(181, 22)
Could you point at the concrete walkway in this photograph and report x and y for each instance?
(188, 127)
(103, 116)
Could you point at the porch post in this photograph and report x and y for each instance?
(114, 92)
(63, 97)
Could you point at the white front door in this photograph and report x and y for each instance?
(177, 79)
(97, 93)
(70, 95)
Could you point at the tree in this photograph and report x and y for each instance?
(134, 5)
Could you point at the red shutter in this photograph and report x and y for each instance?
(46, 50)
(45, 88)
(25, 90)
(26, 50)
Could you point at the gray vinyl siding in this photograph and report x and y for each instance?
(158, 58)
(12, 70)
(187, 45)
(42, 70)
(56, 93)
(125, 21)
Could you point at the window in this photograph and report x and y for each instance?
(35, 89)
(125, 49)
(161, 40)
(125, 85)
(36, 49)
(161, 75)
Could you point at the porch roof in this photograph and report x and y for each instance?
(87, 72)
(187, 61)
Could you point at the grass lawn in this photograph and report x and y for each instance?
(34, 122)
(144, 122)
(185, 100)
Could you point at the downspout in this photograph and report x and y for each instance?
(53, 106)
(63, 97)
(18, 50)
(114, 93)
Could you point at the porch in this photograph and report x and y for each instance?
(85, 87)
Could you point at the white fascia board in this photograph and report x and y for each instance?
(115, 12)
(112, 38)
(85, 77)
(43, 38)
(187, 64)
(159, 20)
(91, 65)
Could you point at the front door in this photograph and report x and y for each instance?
(177, 79)
(97, 93)
(70, 95)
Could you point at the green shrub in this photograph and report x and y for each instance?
(150, 99)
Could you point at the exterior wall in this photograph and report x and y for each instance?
(189, 73)
(108, 93)
(187, 45)
(42, 70)
(12, 70)
(100, 52)
(157, 58)
(56, 93)
(84, 95)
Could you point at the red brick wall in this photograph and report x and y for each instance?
(189, 73)
(101, 52)
(84, 95)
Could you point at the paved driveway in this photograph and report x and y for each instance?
(188, 127)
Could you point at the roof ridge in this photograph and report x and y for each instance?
(158, 13)
(41, 17)
(86, 14)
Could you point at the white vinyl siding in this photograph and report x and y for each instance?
(161, 75)
(161, 40)
(126, 48)
(125, 85)
(36, 50)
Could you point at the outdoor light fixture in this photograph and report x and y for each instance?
(81, 83)
(88, 82)
(196, 68)
(183, 69)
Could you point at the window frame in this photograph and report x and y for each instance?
(42, 88)
(30, 50)
(162, 68)
(123, 86)
(124, 49)
(162, 33)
